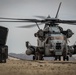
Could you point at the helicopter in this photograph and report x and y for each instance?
(52, 40)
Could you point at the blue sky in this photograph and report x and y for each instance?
(28, 9)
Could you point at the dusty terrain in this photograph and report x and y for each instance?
(23, 67)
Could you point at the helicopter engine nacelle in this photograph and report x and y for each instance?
(30, 50)
(40, 34)
(69, 33)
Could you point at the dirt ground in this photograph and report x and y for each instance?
(23, 67)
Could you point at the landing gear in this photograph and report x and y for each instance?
(33, 57)
(55, 58)
(70, 54)
(65, 58)
(38, 57)
(58, 57)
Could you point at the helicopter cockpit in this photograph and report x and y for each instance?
(54, 29)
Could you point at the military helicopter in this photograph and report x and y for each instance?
(52, 39)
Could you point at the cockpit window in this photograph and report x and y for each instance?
(54, 30)
(56, 38)
(53, 37)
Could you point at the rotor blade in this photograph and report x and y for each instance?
(70, 23)
(42, 17)
(30, 20)
(58, 10)
(26, 20)
(11, 18)
(67, 21)
(15, 18)
(13, 21)
(28, 26)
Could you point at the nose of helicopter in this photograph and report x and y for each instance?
(58, 44)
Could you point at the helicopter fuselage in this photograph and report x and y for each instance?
(51, 42)
(54, 42)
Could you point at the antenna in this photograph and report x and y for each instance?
(58, 10)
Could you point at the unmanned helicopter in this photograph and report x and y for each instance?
(52, 39)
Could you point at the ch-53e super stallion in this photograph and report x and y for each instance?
(52, 39)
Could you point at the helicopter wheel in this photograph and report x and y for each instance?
(40, 57)
(59, 58)
(33, 57)
(70, 54)
(36, 57)
(55, 58)
(67, 58)
(63, 58)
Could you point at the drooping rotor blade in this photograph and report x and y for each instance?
(28, 26)
(42, 17)
(11, 18)
(21, 20)
(16, 18)
(58, 10)
(68, 21)
(47, 20)
(14, 21)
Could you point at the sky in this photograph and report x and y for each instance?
(29, 9)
